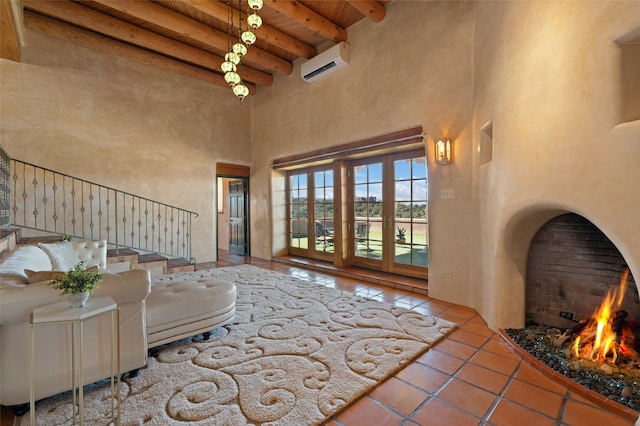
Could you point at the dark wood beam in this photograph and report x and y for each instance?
(9, 39)
(369, 8)
(269, 34)
(310, 19)
(96, 41)
(85, 17)
(158, 15)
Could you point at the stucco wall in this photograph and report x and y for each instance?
(126, 125)
(545, 73)
(548, 75)
(413, 68)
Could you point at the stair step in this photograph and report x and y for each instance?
(180, 265)
(148, 258)
(29, 241)
(9, 239)
(150, 261)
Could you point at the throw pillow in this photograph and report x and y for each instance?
(37, 276)
(63, 256)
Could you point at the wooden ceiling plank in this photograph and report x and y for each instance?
(310, 19)
(369, 8)
(188, 27)
(93, 20)
(269, 34)
(104, 44)
(9, 39)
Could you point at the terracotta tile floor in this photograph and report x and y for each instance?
(469, 378)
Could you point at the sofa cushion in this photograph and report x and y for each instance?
(12, 267)
(37, 276)
(62, 255)
(91, 252)
(176, 303)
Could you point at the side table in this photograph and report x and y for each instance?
(61, 313)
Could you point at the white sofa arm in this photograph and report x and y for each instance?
(125, 287)
(17, 303)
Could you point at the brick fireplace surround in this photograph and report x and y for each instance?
(571, 267)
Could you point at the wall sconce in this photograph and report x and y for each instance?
(442, 151)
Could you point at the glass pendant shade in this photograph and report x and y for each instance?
(255, 4)
(254, 21)
(248, 37)
(232, 57)
(239, 49)
(240, 90)
(232, 78)
(228, 66)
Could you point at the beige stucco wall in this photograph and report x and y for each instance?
(548, 75)
(413, 68)
(545, 73)
(126, 125)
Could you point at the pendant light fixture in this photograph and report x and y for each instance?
(232, 59)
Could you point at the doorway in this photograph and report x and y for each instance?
(232, 189)
(311, 213)
(388, 209)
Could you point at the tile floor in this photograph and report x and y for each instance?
(469, 378)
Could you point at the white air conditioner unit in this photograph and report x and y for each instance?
(326, 62)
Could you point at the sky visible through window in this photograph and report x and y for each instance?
(405, 170)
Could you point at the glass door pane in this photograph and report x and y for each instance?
(323, 211)
(367, 211)
(311, 212)
(298, 212)
(410, 207)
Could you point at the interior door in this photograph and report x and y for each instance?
(237, 214)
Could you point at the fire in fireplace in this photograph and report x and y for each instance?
(582, 305)
(608, 334)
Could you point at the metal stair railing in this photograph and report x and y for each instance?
(37, 198)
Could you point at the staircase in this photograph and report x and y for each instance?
(156, 263)
(49, 205)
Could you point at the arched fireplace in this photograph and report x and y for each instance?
(582, 313)
(571, 266)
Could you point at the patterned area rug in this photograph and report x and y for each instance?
(296, 354)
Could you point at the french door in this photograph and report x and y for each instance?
(389, 204)
(311, 213)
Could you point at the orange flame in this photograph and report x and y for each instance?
(599, 335)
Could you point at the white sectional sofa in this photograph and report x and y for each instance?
(21, 292)
(150, 316)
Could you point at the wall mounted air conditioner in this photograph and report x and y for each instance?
(326, 62)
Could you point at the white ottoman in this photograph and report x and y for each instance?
(185, 308)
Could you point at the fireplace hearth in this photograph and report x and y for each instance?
(581, 313)
(619, 382)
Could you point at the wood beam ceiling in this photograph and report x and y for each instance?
(191, 36)
(95, 41)
(265, 32)
(310, 19)
(9, 38)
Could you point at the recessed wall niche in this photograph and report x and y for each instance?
(630, 57)
(486, 143)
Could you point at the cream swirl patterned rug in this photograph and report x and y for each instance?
(296, 354)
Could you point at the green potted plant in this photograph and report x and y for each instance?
(401, 235)
(78, 284)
